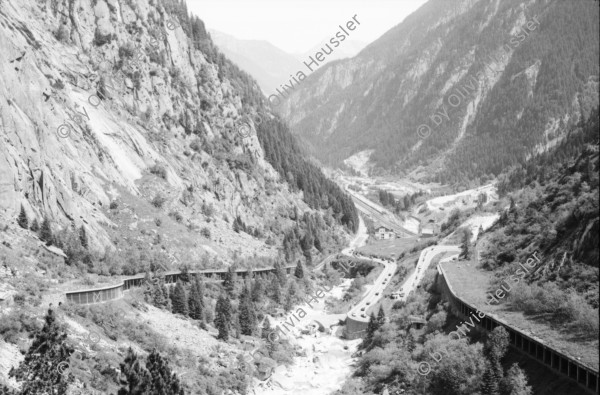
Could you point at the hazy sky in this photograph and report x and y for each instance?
(298, 25)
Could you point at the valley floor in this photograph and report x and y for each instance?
(326, 361)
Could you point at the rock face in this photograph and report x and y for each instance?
(112, 101)
(473, 84)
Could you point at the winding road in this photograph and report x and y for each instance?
(359, 312)
(413, 280)
(375, 293)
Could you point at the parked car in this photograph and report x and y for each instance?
(376, 293)
(363, 309)
(353, 314)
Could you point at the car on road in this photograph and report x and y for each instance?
(376, 293)
(363, 316)
(363, 309)
(368, 303)
(353, 314)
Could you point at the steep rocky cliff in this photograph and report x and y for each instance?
(464, 87)
(119, 114)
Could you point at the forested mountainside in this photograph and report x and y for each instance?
(466, 88)
(110, 104)
(555, 210)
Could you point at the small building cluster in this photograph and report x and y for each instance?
(384, 233)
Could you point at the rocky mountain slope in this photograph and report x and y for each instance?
(463, 87)
(118, 115)
(129, 144)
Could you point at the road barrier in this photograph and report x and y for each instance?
(115, 291)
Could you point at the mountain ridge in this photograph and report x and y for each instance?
(379, 99)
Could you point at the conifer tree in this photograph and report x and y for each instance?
(166, 295)
(35, 226)
(495, 348)
(39, 369)
(171, 295)
(276, 291)
(135, 378)
(247, 314)
(154, 378)
(380, 317)
(223, 317)
(290, 297)
(164, 381)
(229, 281)
(464, 248)
(235, 324)
(280, 273)
(83, 237)
(299, 271)
(185, 274)
(179, 301)
(196, 300)
(411, 343)
(22, 220)
(490, 381)
(372, 326)
(148, 288)
(158, 295)
(257, 290)
(46, 232)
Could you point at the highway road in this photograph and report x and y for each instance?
(413, 280)
(359, 312)
(375, 293)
